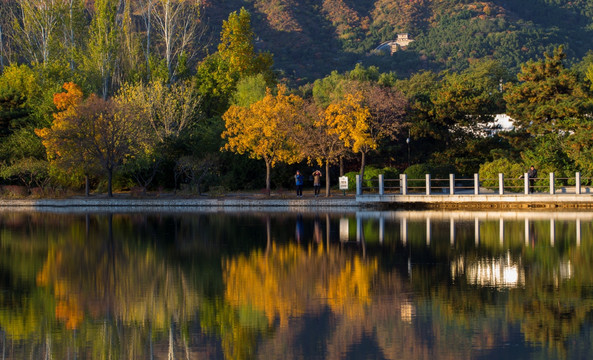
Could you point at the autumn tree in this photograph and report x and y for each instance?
(323, 145)
(367, 115)
(265, 129)
(91, 133)
(349, 119)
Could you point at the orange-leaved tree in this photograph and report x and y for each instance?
(64, 149)
(91, 133)
(266, 129)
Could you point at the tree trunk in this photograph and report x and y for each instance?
(72, 36)
(109, 182)
(86, 186)
(341, 166)
(362, 163)
(1, 51)
(268, 172)
(327, 191)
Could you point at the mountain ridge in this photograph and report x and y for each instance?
(311, 38)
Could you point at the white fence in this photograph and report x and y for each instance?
(472, 186)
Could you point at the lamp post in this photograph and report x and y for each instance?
(408, 143)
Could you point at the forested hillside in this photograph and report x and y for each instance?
(211, 95)
(310, 38)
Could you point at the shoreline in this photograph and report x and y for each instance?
(256, 202)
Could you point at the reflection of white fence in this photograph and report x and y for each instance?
(471, 186)
(456, 217)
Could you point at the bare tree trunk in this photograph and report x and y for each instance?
(148, 27)
(327, 190)
(1, 51)
(268, 180)
(86, 186)
(72, 47)
(109, 182)
(362, 164)
(341, 166)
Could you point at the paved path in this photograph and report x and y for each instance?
(253, 203)
(482, 200)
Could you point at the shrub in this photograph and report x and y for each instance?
(511, 170)
(417, 174)
(371, 174)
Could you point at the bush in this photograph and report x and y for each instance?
(417, 175)
(511, 170)
(371, 174)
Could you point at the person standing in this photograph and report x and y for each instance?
(298, 178)
(532, 175)
(317, 182)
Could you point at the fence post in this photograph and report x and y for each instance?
(427, 184)
(526, 183)
(552, 184)
(358, 186)
(404, 184)
(476, 184)
(500, 184)
(381, 185)
(577, 183)
(452, 184)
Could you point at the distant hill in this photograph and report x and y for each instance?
(310, 38)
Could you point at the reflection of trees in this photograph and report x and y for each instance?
(283, 282)
(552, 308)
(289, 285)
(109, 297)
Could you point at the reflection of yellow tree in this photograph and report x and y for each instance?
(282, 281)
(349, 291)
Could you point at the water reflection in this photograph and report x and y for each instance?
(386, 285)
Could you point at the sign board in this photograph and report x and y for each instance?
(343, 182)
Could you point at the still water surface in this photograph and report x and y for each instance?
(368, 285)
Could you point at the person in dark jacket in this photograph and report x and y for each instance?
(298, 178)
(532, 174)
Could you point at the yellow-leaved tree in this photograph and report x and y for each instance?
(350, 120)
(266, 129)
(367, 115)
(324, 145)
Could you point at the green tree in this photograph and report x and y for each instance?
(103, 46)
(546, 96)
(236, 47)
(250, 89)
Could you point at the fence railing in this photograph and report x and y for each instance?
(473, 186)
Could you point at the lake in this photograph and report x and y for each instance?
(310, 285)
